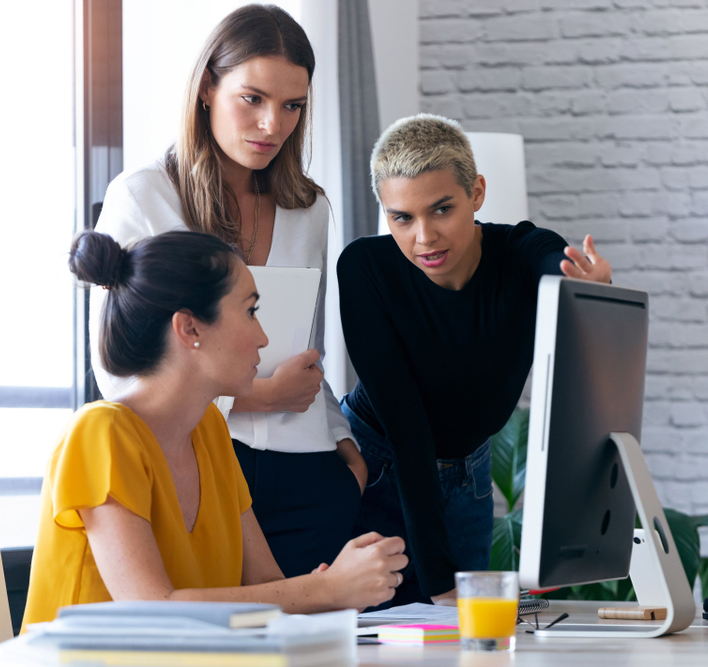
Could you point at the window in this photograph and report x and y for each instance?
(62, 133)
(37, 193)
(62, 143)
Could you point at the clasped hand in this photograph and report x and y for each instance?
(365, 573)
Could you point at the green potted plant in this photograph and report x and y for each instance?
(509, 448)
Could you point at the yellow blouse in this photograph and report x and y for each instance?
(107, 450)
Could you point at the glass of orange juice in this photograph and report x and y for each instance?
(487, 603)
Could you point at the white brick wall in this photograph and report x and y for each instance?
(612, 99)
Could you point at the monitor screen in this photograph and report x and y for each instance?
(588, 381)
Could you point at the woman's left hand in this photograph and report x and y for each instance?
(586, 265)
(353, 458)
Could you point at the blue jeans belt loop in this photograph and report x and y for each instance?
(464, 464)
(473, 460)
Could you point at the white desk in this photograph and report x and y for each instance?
(685, 649)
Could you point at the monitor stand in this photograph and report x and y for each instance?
(670, 577)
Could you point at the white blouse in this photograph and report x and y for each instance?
(144, 203)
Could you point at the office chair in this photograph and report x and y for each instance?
(16, 562)
(5, 620)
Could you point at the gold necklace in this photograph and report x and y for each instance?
(254, 240)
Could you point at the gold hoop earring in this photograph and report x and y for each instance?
(204, 106)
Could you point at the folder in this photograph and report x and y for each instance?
(287, 307)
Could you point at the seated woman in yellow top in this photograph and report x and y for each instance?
(144, 498)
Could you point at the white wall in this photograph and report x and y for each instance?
(394, 29)
(319, 20)
(395, 36)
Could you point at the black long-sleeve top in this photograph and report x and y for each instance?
(440, 370)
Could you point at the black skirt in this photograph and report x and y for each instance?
(305, 503)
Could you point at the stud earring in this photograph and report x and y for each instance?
(196, 344)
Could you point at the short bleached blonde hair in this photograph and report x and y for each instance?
(420, 144)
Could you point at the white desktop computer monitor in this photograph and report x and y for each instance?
(586, 478)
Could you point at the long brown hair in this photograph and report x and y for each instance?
(193, 162)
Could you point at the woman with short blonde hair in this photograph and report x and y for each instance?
(414, 146)
(450, 305)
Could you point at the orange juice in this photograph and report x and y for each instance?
(486, 617)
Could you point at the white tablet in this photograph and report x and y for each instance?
(286, 312)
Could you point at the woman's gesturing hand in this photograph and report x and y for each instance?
(365, 572)
(586, 265)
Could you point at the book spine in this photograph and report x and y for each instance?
(169, 659)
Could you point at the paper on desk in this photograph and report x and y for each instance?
(416, 612)
(300, 624)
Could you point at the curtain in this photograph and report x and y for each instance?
(359, 118)
(319, 19)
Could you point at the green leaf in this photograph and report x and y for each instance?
(509, 456)
(683, 528)
(688, 544)
(506, 542)
(703, 575)
(625, 591)
(509, 448)
(700, 521)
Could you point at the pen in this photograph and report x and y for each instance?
(538, 591)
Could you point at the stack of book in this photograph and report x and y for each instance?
(196, 634)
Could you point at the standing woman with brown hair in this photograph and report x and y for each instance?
(236, 171)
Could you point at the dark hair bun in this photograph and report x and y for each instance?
(98, 259)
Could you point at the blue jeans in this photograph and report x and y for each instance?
(467, 495)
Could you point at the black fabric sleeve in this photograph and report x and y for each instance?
(535, 252)
(380, 361)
